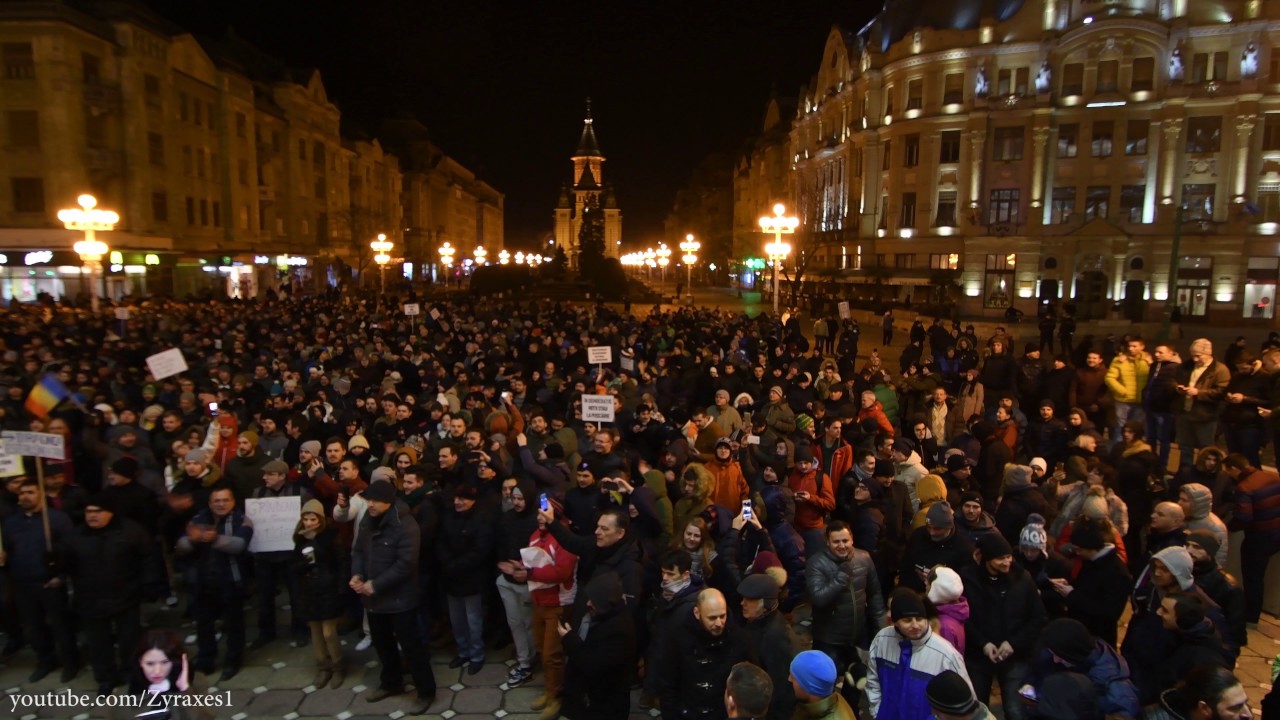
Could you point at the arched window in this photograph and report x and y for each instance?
(1137, 263)
(1051, 263)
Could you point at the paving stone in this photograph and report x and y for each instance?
(326, 702)
(518, 700)
(477, 700)
(493, 673)
(382, 707)
(250, 676)
(276, 702)
(292, 676)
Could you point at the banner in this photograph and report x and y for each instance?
(33, 444)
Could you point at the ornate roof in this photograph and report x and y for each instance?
(899, 18)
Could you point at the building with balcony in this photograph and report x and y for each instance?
(1106, 152)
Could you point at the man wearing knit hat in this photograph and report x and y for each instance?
(813, 682)
(904, 657)
(777, 414)
(273, 569)
(937, 543)
(1005, 617)
(951, 698)
(1201, 387)
(1217, 583)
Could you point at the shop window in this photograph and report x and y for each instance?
(998, 292)
(1260, 288)
(1192, 292)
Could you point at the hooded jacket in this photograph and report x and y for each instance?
(690, 506)
(730, 487)
(901, 670)
(1109, 674)
(930, 490)
(515, 528)
(1201, 517)
(909, 472)
(951, 619)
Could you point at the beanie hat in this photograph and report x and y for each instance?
(251, 436)
(103, 500)
(993, 545)
(342, 385)
(940, 515)
(466, 491)
(1178, 560)
(803, 422)
(815, 672)
(310, 446)
(1039, 462)
(358, 441)
(554, 451)
(804, 453)
(126, 467)
(382, 474)
(903, 446)
(905, 603)
(970, 496)
(1017, 476)
(948, 693)
(1087, 535)
(777, 389)
(380, 492)
(1206, 541)
(946, 586)
(276, 466)
(313, 506)
(1033, 534)
(1201, 346)
(958, 461)
(1068, 639)
(1095, 506)
(199, 455)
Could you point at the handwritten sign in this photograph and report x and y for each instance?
(844, 310)
(274, 520)
(597, 408)
(600, 355)
(10, 465)
(33, 444)
(435, 314)
(627, 361)
(167, 363)
(412, 309)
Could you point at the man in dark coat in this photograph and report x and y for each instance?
(110, 562)
(130, 499)
(1100, 590)
(273, 568)
(771, 636)
(600, 649)
(672, 609)
(991, 461)
(699, 658)
(937, 543)
(465, 552)
(609, 550)
(384, 572)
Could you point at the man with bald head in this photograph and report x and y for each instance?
(699, 657)
(1168, 528)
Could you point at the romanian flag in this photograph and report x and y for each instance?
(46, 395)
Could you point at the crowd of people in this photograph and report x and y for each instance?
(963, 523)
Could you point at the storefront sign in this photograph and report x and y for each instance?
(38, 257)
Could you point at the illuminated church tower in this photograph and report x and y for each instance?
(588, 191)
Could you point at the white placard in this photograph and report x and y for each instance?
(10, 465)
(597, 408)
(600, 354)
(274, 520)
(844, 310)
(167, 363)
(435, 314)
(122, 313)
(34, 444)
(626, 362)
(412, 309)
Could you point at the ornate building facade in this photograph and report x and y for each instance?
(587, 192)
(1107, 152)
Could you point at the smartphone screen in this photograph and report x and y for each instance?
(543, 503)
(213, 408)
(746, 509)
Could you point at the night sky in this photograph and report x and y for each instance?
(502, 85)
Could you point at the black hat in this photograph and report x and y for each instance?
(380, 491)
(960, 460)
(1087, 535)
(804, 453)
(465, 490)
(1068, 639)
(1205, 540)
(758, 586)
(903, 446)
(554, 451)
(993, 545)
(884, 468)
(948, 693)
(104, 501)
(905, 603)
(126, 467)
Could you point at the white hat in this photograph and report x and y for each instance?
(946, 586)
(1038, 462)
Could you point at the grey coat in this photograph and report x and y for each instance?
(386, 553)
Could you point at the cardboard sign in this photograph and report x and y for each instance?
(597, 408)
(844, 310)
(167, 363)
(274, 520)
(435, 314)
(122, 313)
(412, 309)
(33, 444)
(10, 465)
(600, 354)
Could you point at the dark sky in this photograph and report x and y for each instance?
(501, 85)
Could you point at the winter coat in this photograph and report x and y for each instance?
(598, 667)
(225, 560)
(831, 707)
(930, 490)
(833, 596)
(318, 575)
(989, 474)
(909, 472)
(244, 474)
(111, 568)
(1091, 389)
(1223, 589)
(696, 666)
(135, 502)
(1197, 646)
(691, 506)
(776, 645)
(1201, 517)
(667, 618)
(1003, 608)
(1099, 593)
(985, 525)
(877, 412)
(1212, 384)
(822, 498)
(788, 544)
(955, 551)
(464, 549)
(951, 619)
(779, 416)
(387, 554)
(1159, 394)
(1109, 673)
(730, 487)
(999, 374)
(1015, 507)
(900, 671)
(1126, 378)
(621, 559)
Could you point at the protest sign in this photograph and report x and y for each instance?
(167, 363)
(274, 520)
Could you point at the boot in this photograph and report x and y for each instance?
(323, 673)
(538, 702)
(339, 670)
(551, 711)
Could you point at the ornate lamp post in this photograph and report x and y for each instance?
(780, 224)
(382, 246)
(480, 254)
(504, 257)
(690, 248)
(90, 220)
(446, 258)
(664, 259)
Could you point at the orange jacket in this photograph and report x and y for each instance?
(731, 485)
(812, 513)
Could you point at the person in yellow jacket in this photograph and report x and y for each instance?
(1126, 378)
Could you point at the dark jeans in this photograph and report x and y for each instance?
(1246, 440)
(47, 622)
(1255, 554)
(225, 603)
(113, 642)
(273, 572)
(1160, 435)
(387, 629)
(843, 656)
(1011, 674)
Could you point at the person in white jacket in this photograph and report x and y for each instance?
(904, 657)
(908, 468)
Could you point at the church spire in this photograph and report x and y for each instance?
(587, 145)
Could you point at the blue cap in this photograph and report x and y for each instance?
(815, 671)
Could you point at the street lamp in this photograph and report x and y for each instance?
(664, 258)
(90, 220)
(382, 246)
(446, 258)
(504, 257)
(480, 254)
(780, 224)
(690, 248)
